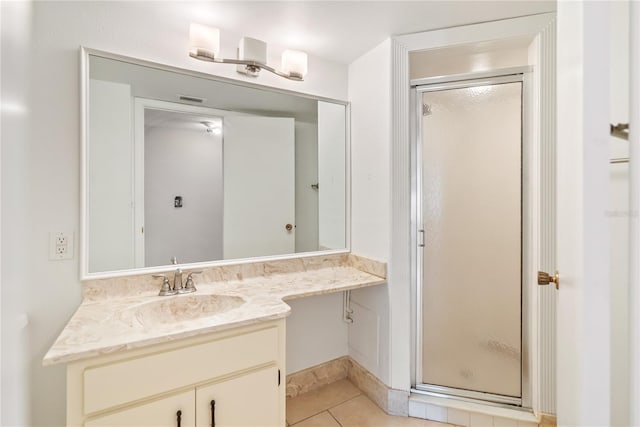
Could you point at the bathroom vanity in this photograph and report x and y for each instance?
(216, 356)
(212, 357)
(226, 378)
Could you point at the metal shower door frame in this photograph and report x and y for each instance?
(460, 81)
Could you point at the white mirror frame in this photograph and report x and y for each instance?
(85, 274)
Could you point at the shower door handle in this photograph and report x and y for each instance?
(546, 278)
(421, 238)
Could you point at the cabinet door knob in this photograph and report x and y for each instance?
(289, 227)
(213, 413)
(179, 416)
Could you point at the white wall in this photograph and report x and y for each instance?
(369, 94)
(110, 195)
(331, 175)
(16, 177)
(310, 343)
(41, 164)
(469, 58)
(182, 162)
(369, 81)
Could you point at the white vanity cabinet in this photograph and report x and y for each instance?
(246, 400)
(158, 413)
(240, 369)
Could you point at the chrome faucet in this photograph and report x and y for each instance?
(177, 281)
(178, 287)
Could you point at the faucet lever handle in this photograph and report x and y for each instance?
(166, 286)
(190, 285)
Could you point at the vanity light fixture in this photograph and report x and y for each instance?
(204, 44)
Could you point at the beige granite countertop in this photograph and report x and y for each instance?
(126, 313)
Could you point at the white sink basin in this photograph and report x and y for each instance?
(176, 308)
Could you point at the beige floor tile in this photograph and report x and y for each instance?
(548, 421)
(314, 402)
(323, 419)
(362, 412)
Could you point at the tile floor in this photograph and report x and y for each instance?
(343, 404)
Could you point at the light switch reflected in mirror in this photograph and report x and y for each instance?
(202, 170)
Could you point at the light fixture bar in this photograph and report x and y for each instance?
(254, 64)
(205, 45)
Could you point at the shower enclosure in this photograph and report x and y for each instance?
(469, 239)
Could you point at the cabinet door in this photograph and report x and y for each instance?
(246, 400)
(159, 413)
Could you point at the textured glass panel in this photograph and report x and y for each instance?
(472, 255)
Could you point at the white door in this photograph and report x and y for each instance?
(584, 299)
(246, 400)
(259, 186)
(634, 206)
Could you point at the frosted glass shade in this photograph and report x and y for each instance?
(251, 49)
(204, 41)
(294, 63)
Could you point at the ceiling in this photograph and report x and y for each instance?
(342, 31)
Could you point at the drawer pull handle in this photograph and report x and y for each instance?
(213, 413)
(179, 415)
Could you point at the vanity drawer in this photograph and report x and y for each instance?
(128, 380)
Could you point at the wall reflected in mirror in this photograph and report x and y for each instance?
(186, 169)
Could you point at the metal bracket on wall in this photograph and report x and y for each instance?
(621, 130)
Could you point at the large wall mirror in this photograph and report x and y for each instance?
(182, 168)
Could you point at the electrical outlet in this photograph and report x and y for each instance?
(60, 245)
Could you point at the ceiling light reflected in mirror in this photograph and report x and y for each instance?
(213, 128)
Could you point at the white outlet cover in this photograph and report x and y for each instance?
(60, 245)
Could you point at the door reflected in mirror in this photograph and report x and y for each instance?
(188, 169)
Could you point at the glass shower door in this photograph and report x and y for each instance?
(471, 315)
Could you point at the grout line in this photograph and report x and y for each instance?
(332, 416)
(310, 416)
(348, 400)
(342, 403)
(327, 409)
